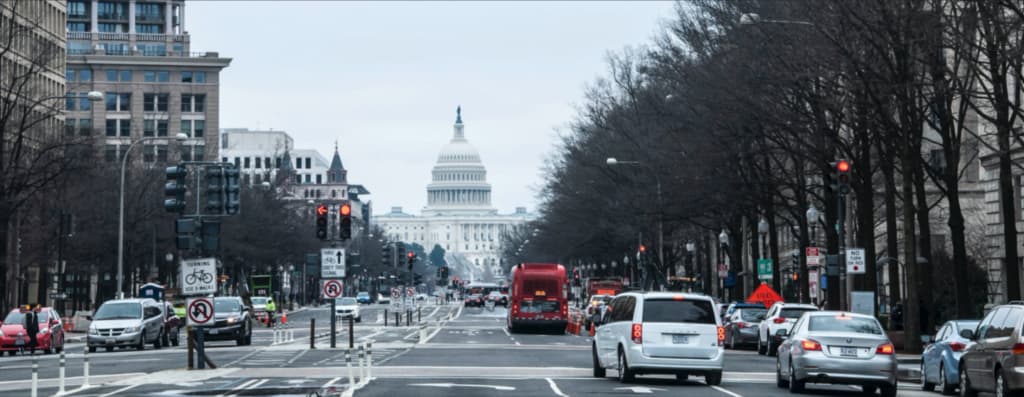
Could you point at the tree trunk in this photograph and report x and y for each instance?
(773, 248)
(1008, 210)
(911, 319)
(866, 226)
(6, 278)
(924, 280)
(892, 249)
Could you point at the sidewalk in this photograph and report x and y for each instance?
(908, 367)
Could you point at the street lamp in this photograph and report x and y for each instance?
(723, 244)
(612, 161)
(120, 223)
(750, 18)
(812, 219)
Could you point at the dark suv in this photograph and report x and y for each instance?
(232, 321)
(995, 360)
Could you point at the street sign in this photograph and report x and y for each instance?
(812, 256)
(332, 288)
(832, 265)
(198, 276)
(332, 263)
(855, 263)
(723, 270)
(764, 295)
(199, 311)
(395, 293)
(730, 280)
(862, 302)
(410, 292)
(764, 269)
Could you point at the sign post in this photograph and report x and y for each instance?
(331, 290)
(332, 267)
(199, 313)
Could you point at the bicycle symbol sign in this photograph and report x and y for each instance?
(332, 289)
(198, 276)
(200, 311)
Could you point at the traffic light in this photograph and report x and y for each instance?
(232, 191)
(345, 222)
(185, 229)
(796, 259)
(412, 259)
(214, 178)
(417, 278)
(210, 235)
(174, 189)
(385, 254)
(401, 251)
(321, 221)
(796, 276)
(576, 276)
(843, 176)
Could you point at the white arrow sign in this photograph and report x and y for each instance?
(332, 263)
(640, 389)
(451, 385)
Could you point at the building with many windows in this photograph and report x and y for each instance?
(137, 53)
(458, 216)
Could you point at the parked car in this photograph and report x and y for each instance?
(348, 307)
(837, 348)
(660, 333)
(13, 335)
(232, 321)
(498, 298)
(741, 327)
(172, 325)
(941, 359)
(780, 316)
(474, 300)
(384, 299)
(363, 297)
(993, 361)
(126, 323)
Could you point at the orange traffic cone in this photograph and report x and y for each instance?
(284, 317)
(591, 329)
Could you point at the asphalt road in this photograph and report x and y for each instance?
(463, 351)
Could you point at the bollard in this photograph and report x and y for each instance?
(423, 334)
(291, 333)
(85, 368)
(385, 318)
(351, 333)
(348, 364)
(369, 360)
(408, 317)
(60, 374)
(273, 332)
(312, 333)
(362, 374)
(191, 346)
(419, 315)
(398, 319)
(35, 376)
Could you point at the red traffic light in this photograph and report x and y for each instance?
(321, 209)
(411, 255)
(843, 166)
(643, 248)
(345, 210)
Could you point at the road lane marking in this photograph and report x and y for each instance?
(554, 388)
(240, 359)
(239, 387)
(330, 383)
(506, 332)
(723, 390)
(451, 385)
(126, 388)
(296, 357)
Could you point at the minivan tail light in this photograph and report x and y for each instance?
(515, 308)
(779, 320)
(885, 349)
(721, 336)
(638, 333)
(810, 345)
(957, 346)
(741, 324)
(565, 309)
(1017, 349)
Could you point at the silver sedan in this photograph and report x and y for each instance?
(837, 348)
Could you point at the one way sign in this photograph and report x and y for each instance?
(332, 263)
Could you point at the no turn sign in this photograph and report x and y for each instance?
(332, 289)
(199, 311)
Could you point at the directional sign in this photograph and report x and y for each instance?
(332, 289)
(332, 263)
(764, 269)
(199, 311)
(199, 276)
(855, 263)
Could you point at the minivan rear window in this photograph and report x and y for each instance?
(678, 311)
(795, 312)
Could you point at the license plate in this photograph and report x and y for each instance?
(681, 339)
(848, 351)
(111, 341)
(214, 332)
(19, 342)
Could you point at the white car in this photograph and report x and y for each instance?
(780, 316)
(348, 307)
(660, 333)
(384, 299)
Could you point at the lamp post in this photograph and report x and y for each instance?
(690, 269)
(120, 223)
(762, 230)
(723, 248)
(612, 161)
(754, 19)
(812, 220)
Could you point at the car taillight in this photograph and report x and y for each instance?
(565, 309)
(721, 336)
(741, 324)
(779, 320)
(1018, 348)
(957, 346)
(515, 308)
(638, 333)
(810, 345)
(885, 349)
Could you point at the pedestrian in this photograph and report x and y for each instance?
(32, 327)
(271, 308)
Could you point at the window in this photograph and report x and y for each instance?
(298, 179)
(319, 180)
(69, 75)
(119, 75)
(237, 162)
(161, 153)
(154, 128)
(266, 162)
(193, 103)
(139, 28)
(200, 77)
(76, 26)
(78, 9)
(193, 128)
(119, 127)
(111, 27)
(69, 127)
(110, 153)
(247, 163)
(84, 127)
(256, 179)
(186, 153)
(118, 102)
(126, 75)
(199, 153)
(155, 102)
(112, 10)
(186, 77)
(149, 76)
(148, 153)
(85, 75)
(307, 162)
(308, 179)
(298, 162)
(680, 311)
(843, 323)
(111, 75)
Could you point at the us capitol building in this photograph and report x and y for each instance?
(458, 215)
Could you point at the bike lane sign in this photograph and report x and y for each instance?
(199, 276)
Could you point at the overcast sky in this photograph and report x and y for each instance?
(384, 79)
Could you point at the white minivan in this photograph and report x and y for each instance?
(660, 333)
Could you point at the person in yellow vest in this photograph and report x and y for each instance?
(271, 309)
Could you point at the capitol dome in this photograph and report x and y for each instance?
(459, 179)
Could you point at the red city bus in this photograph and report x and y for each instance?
(539, 296)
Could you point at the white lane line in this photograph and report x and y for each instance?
(239, 387)
(723, 390)
(330, 383)
(554, 388)
(517, 343)
(434, 312)
(240, 359)
(257, 384)
(506, 332)
(301, 353)
(120, 390)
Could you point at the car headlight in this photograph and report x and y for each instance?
(44, 330)
(232, 320)
(93, 330)
(132, 330)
